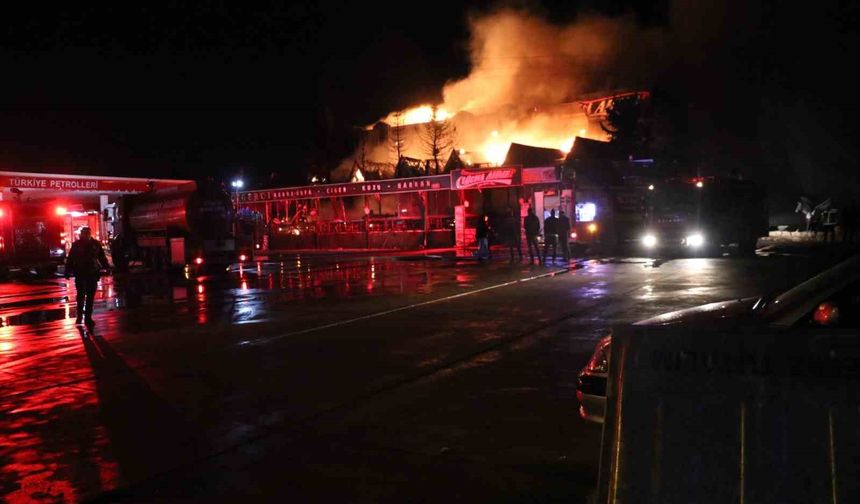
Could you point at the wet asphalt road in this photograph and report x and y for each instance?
(355, 379)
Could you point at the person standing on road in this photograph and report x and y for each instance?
(85, 261)
(550, 235)
(513, 233)
(532, 225)
(564, 234)
(482, 234)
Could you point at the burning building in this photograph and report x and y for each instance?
(476, 140)
(512, 159)
(495, 140)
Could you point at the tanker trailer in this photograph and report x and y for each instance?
(175, 228)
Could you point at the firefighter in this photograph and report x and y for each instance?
(532, 225)
(85, 261)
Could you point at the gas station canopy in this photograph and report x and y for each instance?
(50, 185)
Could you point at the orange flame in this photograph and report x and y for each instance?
(416, 115)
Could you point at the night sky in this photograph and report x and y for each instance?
(271, 88)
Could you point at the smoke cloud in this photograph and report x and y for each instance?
(520, 60)
(526, 77)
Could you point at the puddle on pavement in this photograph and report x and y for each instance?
(248, 292)
(35, 317)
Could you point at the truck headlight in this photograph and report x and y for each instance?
(695, 240)
(649, 240)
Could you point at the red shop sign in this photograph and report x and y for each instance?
(480, 179)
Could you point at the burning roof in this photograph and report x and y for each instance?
(587, 149)
(530, 156)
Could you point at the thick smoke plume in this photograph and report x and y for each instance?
(527, 75)
(521, 60)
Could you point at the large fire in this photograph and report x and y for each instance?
(495, 149)
(417, 115)
(526, 79)
(486, 138)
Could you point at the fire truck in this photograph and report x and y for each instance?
(176, 227)
(690, 216)
(32, 236)
(703, 215)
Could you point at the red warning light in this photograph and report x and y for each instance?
(826, 314)
(243, 258)
(199, 260)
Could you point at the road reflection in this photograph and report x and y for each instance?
(169, 375)
(248, 288)
(116, 428)
(50, 461)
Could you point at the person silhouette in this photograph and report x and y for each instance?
(550, 235)
(85, 261)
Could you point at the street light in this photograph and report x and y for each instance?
(236, 185)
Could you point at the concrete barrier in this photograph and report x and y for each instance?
(746, 417)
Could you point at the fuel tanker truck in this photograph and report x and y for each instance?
(173, 228)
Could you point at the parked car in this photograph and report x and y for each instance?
(830, 300)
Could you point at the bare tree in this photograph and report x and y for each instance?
(438, 137)
(397, 137)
